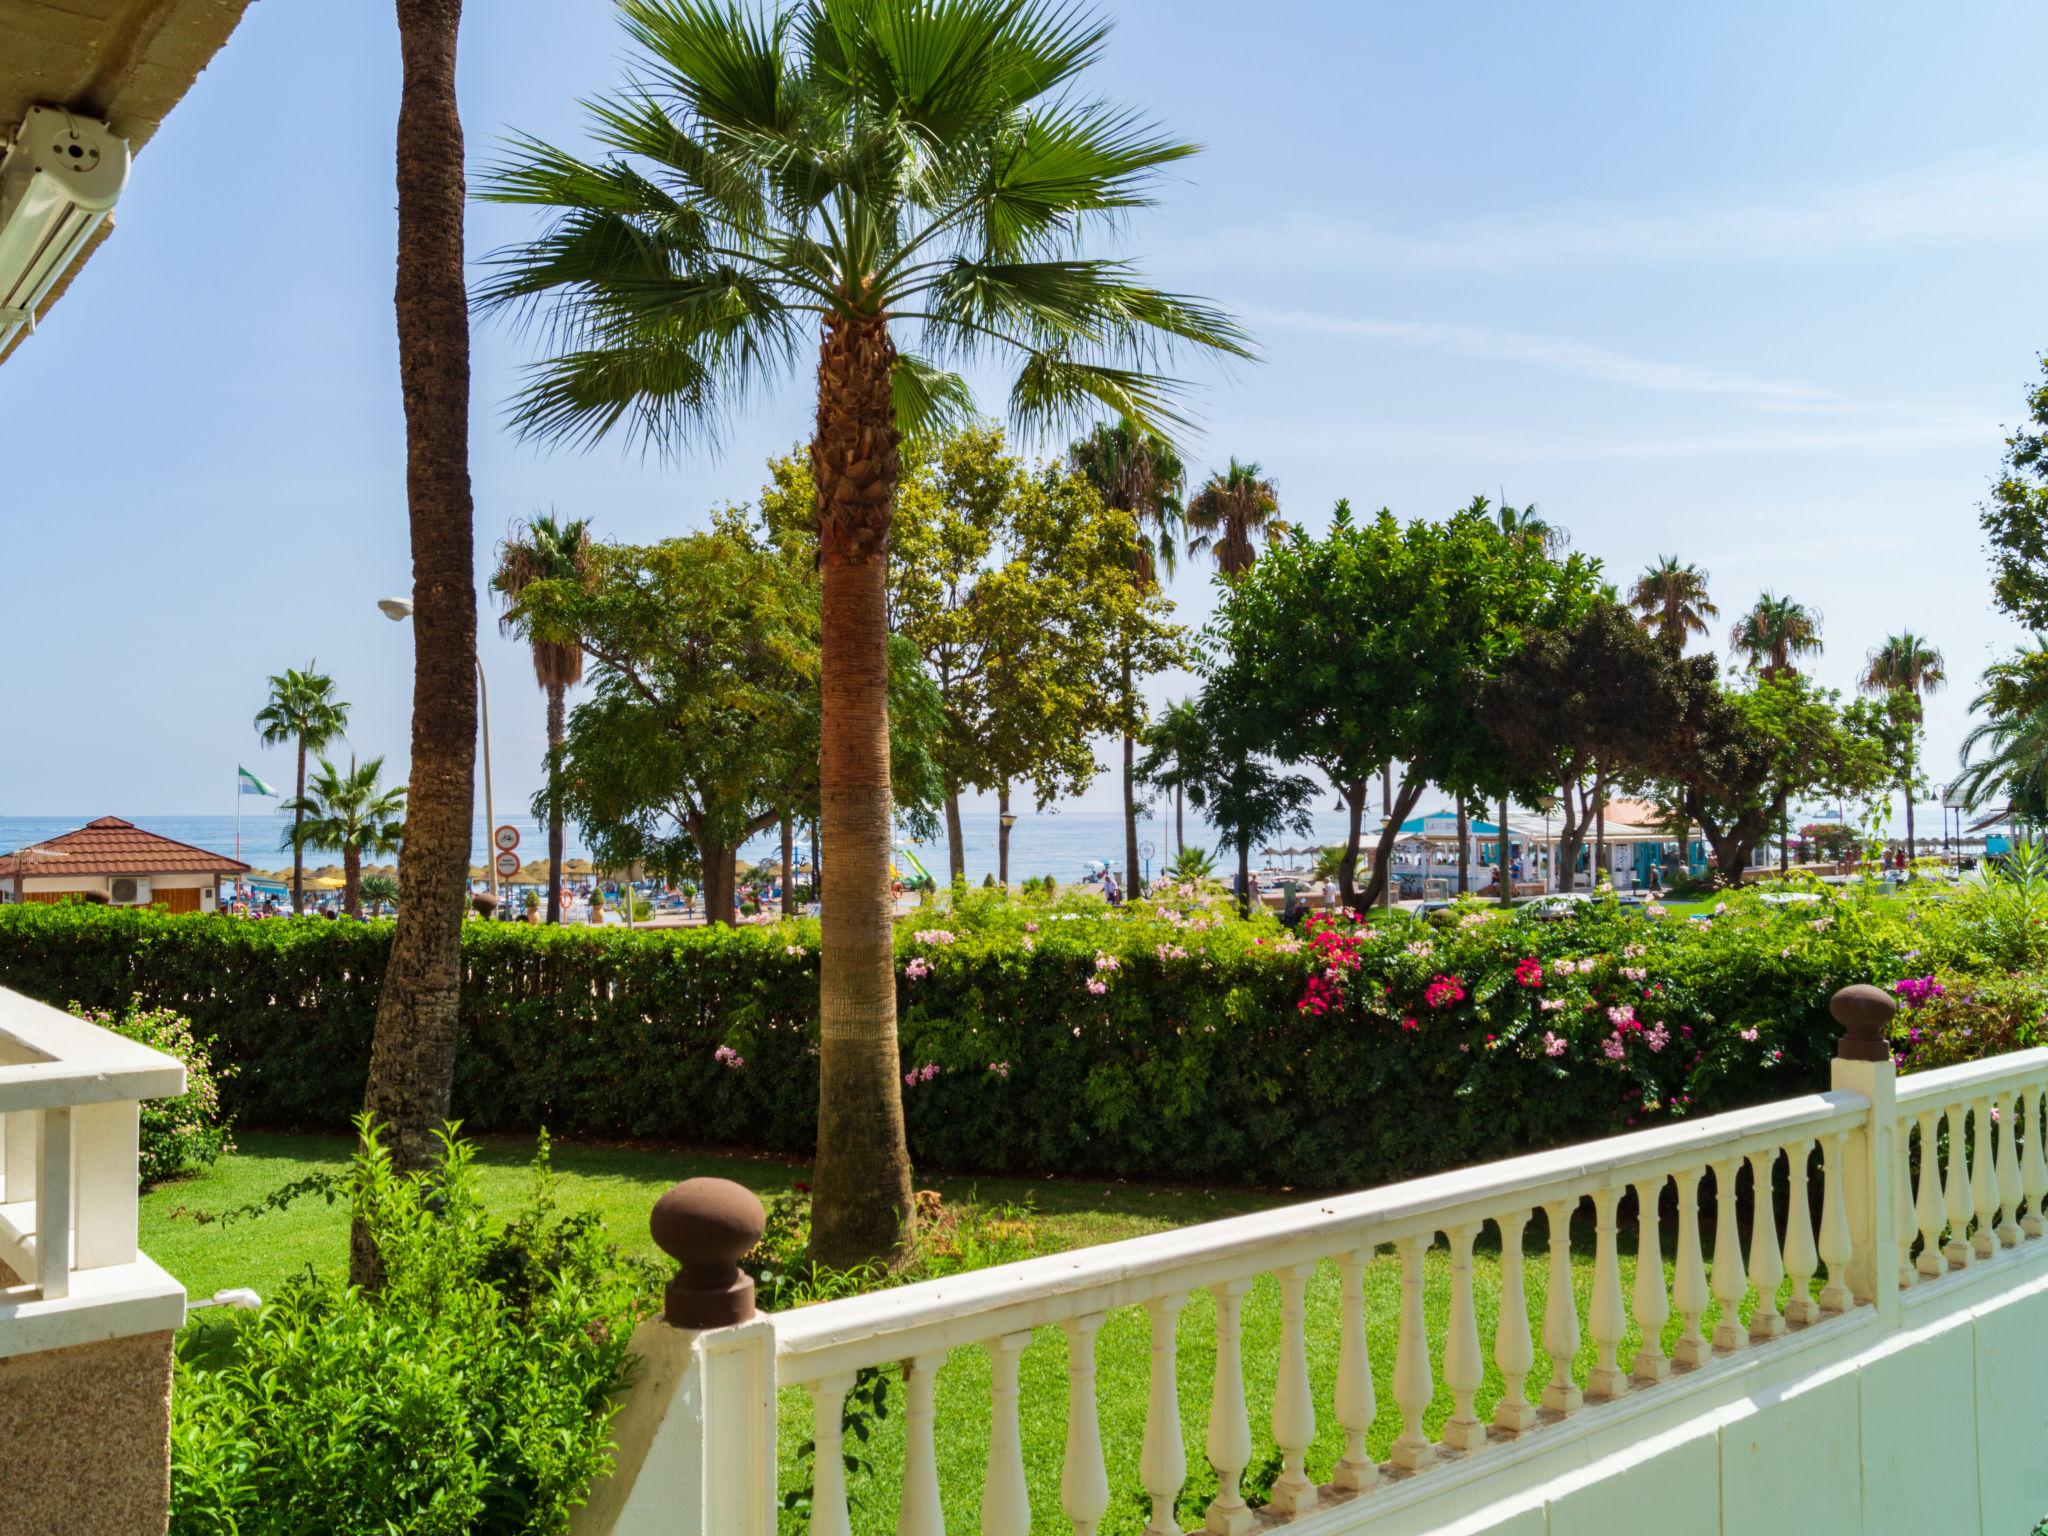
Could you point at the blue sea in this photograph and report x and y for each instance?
(1062, 843)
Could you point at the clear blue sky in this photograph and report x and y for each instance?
(1752, 283)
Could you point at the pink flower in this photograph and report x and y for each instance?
(1097, 987)
(726, 1056)
(1443, 992)
(933, 936)
(1657, 1038)
(1554, 1045)
(1529, 972)
(917, 969)
(1623, 1017)
(1634, 972)
(1615, 1047)
(1106, 962)
(1000, 1068)
(1749, 1034)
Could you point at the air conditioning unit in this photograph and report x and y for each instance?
(128, 891)
(58, 182)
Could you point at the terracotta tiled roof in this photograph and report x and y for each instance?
(111, 846)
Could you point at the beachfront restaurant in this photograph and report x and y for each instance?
(117, 862)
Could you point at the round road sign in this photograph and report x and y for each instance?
(508, 865)
(506, 838)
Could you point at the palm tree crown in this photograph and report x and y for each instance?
(302, 709)
(1775, 632)
(1224, 514)
(1906, 664)
(1672, 599)
(543, 549)
(1526, 527)
(920, 163)
(1137, 471)
(350, 811)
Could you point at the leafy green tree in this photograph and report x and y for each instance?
(1902, 672)
(350, 811)
(1774, 634)
(1587, 707)
(1135, 470)
(1372, 643)
(1237, 786)
(547, 549)
(843, 170)
(302, 710)
(1672, 600)
(1745, 750)
(2015, 520)
(1233, 509)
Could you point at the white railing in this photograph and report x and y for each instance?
(70, 1097)
(1853, 1147)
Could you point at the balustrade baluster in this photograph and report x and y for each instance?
(1163, 1462)
(1230, 1431)
(1902, 1217)
(1005, 1500)
(1356, 1406)
(1835, 1247)
(1414, 1382)
(920, 1513)
(1984, 1181)
(1689, 1284)
(1956, 1197)
(1084, 1481)
(828, 1475)
(1605, 1316)
(2034, 1167)
(1294, 1411)
(1652, 1307)
(2008, 1172)
(1801, 1257)
(1561, 1312)
(1514, 1352)
(1730, 1282)
(1927, 1211)
(1464, 1367)
(1766, 1259)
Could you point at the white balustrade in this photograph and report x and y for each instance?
(1163, 1461)
(1987, 1198)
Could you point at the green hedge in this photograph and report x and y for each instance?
(1163, 1044)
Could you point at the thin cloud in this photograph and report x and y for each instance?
(1983, 199)
(1345, 441)
(1559, 354)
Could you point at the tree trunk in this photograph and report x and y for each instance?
(1003, 835)
(1784, 829)
(1380, 886)
(298, 837)
(1244, 875)
(1911, 852)
(956, 844)
(1507, 879)
(860, 1201)
(788, 867)
(1131, 885)
(721, 881)
(412, 1053)
(1599, 831)
(352, 881)
(1347, 867)
(1464, 831)
(1180, 831)
(557, 729)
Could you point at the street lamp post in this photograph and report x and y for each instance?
(1008, 820)
(398, 610)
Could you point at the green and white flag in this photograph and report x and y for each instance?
(248, 784)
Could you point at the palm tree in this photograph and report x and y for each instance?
(380, 891)
(302, 710)
(1907, 668)
(840, 174)
(2016, 736)
(1135, 471)
(351, 811)
(1228, 511)
(1774, 633)
(1525, 526)
(1672, 600)
(1175, 744)
(546, 550)
(412, 1052)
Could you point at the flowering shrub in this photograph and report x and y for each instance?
(188, 1133)
(1213, 1047)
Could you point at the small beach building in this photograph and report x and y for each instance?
(121, 862)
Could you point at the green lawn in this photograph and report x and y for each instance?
(620, 1184)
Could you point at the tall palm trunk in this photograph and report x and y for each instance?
(1131, 886)
(298, 837)
(557, 729)
(1911, 852)
(788, 867)
(352, 881)
(861, 1183)
(412, 1055)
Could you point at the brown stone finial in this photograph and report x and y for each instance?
(1865, 1014)
(707, 1226)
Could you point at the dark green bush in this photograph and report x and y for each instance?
(469, 1395)
(181, 1135)
(1037, 1038)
